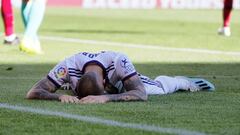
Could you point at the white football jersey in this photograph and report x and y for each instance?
(116, 67)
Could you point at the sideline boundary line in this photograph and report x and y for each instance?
(96, 120)
(139, 46)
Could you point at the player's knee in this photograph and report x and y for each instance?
(167, 83)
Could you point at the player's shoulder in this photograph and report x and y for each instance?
(116, 54)
(113, 55)
(111, 52)
(98, 53)
(107, 55)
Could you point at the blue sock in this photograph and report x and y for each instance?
(34, 19)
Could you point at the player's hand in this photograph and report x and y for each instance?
(68, 99)
(94, 100)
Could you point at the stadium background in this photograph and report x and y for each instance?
(162, 41)
(140, 4)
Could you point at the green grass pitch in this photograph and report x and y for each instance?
(206, 112)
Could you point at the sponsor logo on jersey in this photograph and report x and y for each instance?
(60, 72)
(127, 66)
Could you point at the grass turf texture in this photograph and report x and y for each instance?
(210, 112)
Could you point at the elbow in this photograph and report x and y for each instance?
(31, 95)
(145, 96)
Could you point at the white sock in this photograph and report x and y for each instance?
(172, 84)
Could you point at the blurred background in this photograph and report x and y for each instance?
(139, 4)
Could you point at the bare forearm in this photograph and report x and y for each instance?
(135, 91)
(133, 95)
(43, 90)
(42, 94)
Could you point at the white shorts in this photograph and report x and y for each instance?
(153, 87)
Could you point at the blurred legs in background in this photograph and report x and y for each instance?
(225, 30)
(32, 14)
(8, 21)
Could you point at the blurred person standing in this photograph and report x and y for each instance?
(227, 9)
(8, 21)
(32, 14)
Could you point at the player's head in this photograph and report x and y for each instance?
(89, 85)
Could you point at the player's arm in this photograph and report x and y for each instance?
(135, 92)
(44, 89)
(131, 81)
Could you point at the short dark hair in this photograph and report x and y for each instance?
(88, 85)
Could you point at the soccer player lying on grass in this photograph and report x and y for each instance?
(105, 77)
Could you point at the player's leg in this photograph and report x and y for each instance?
(228, 5)
(225, 30)
(7, 15)
(173, 84)
(25, 11)
(34, 19)
(152, 87)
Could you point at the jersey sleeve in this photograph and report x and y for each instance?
(59, 74)
(124, 67)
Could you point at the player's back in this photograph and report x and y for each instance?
(80, 60)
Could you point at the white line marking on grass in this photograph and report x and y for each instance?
(101, 121)
(142, 46)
